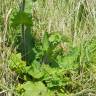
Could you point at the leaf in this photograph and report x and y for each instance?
(21, 18)
(68, 61)
(33, 89)
(36, 70)
(16, 63)
(54, 77)
(55, 37)
(45, 42)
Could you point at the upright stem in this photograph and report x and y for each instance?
(22, 8)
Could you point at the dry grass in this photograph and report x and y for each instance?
(49, 16)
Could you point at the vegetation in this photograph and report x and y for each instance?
(47, 48)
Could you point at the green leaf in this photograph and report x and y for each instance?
(68, 61)
(33, 89)
(45, 42)
(54, 77)
(21, 18)
(36, 70)
(55, 37)
(16, 63)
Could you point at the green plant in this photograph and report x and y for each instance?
(21, 18)
(43, 68)
(16, 64)
(32, 89)
(47, 48)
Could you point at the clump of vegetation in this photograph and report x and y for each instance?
(47, 48)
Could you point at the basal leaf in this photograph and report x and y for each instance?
(35, 70)
(33, 89)
(68, 61)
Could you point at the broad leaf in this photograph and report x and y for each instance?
(35, 70)
(55, 37)
(68, 61)
(33, 89)
(16, 63)
(21, 18)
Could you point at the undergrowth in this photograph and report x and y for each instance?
(47, 48)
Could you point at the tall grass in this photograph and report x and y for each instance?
(6, 76)
(63, 16)
(73, 18)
